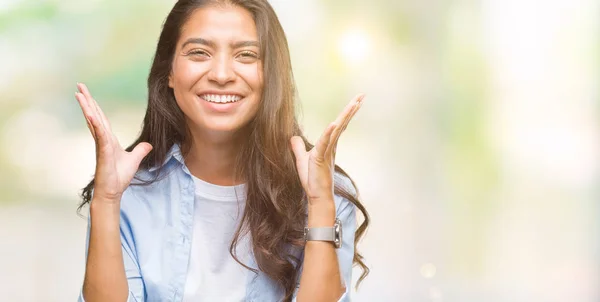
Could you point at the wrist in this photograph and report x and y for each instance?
(321, 214)
(105, 216)
(98, 204)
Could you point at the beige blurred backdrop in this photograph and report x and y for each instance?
(476, 150)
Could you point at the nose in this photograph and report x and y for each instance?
(221, 71)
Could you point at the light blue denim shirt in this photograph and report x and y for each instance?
(156, 232)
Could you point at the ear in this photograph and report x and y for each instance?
(170, 80)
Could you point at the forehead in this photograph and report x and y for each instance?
(220, 23)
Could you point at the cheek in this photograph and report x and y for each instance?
(252, 75)
(186, 73)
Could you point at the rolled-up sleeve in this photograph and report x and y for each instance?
(346, 213)
(130, 298)
(132, 271)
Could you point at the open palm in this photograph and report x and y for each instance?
(316, 166)
(115, 167)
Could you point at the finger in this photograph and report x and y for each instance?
(335, 136)
(98, 130)
(91, 128)
(83, 88)
(101, 135)
(331, 147)
(140, 151)
(356, 104)
(99, 115)
(298, 147)
(346, 115)
(323, 142)
(348, 109)
(87, 101)
(85, 109)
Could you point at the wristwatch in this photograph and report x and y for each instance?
(333, 234)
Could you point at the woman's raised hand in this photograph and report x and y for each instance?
(316, 167)
(115, 167)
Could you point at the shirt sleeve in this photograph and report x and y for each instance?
(346, 213)
(132, 271)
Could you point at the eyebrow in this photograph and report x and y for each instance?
(212, 44)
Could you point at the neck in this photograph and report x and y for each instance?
(211, 157)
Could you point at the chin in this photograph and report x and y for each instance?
(223, 126)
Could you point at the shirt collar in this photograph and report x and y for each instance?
(174, 152)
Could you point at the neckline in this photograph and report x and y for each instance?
(222, 193)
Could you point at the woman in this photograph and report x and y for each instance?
(211, 202)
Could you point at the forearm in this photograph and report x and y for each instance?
(321, 279)
(105, 278)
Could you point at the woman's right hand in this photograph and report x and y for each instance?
(115, 167)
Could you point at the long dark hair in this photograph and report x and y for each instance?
(275, 212)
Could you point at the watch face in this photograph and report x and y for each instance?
(338, 233)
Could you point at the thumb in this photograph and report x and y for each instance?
(140, 151)
(298, 147)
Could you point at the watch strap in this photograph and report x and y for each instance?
(332, 234)
(320, 234)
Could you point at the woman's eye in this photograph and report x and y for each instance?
(198, 52)
(248, 54)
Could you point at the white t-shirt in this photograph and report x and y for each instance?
(213, 274)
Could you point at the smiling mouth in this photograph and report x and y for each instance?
(220, 98)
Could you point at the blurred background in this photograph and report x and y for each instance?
(476, 151)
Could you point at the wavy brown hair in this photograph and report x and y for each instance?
(275, 212)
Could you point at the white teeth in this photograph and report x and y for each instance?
(215, 98)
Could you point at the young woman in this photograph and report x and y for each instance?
(211, 202)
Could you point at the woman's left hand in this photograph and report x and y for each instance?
(316, 167)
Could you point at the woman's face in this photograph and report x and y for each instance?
(217, 75)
